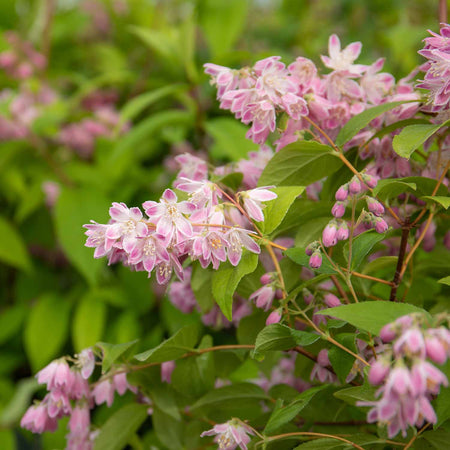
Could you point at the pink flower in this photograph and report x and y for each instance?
(343, 59)
(209, 247)
(86, 362)
(80, 419)
(274, 317)
(263, 297)
(230, 435)
(338, 209)
(320, 370)
(342, 193)
(57, 375)
(37, 420)
(252, 201)
(331, 300)
(166, 371)
(342, 231)
(316, 260)
(238, 239)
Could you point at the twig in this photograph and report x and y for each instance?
(401, 256)
(408, 445)
(442, 11)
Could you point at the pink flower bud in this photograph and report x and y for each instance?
(381, 226)
(274, 317)
(338, 209)
(311, 248)
(342, 193)
(329, 235)
(342, 231)
(435, 350)
(354, 186)
(370, 180)
(322, 358)
(166, 371)
(266, 278)
(375, 206)
(307, 296)
(387, 333)
(316, 260)
(331, 300)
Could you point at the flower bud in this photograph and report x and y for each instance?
(370, 180)
(266, 278)
(378, 371)
(331, 300)
(375, 206)
(329, 235)
(435, 350)
(387, 333)
(274, 317)
(307, 296)
(381, 226)
(342, 231)
(338, 209)
(342, 193)
(316, 260)
(354, 186)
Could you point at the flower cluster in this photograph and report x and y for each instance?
(408, 380)
(202, 228)
(70, 394)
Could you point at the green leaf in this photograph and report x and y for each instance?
(120, 427)
(439, 439)
(46, 329)
(443, 201)
(182, 342)
(111, 352)
(168, 430)
(300, 164)
(413, 136)
(139, 103)
(164, 398)
(226, 279)
(340, 360)
(442, 406)
(362, 245)
(222, 23)
(12, 248)
(283, 415)
(281, 337)
(229, 138)
(224, 396)
(371, 316)
(276, 209)
(355, 394)
(201, 284)
(89, 322)
(11, 320)
(232, 180)
(386, 189)
(358, 122)
(445, 280)
(73, 209)
(298, 255)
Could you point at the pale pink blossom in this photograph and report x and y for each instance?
(230, 435)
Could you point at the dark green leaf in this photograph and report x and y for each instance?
(413, 136)
(300, 164)
(276, 209)
(167, 429)
(371, 316)
(226, 279)
(283, 415)
(182, 342)
(358, 122)
(362, 244)
(120, 427)
(442, 406)
(12, 248)
(439, 439)
(201, 284)
(365, 393)
(340, 360)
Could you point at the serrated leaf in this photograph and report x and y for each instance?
(111, 352)
(12, 247)
(300, 164)
(120, 427)
(182, 342)
(282, 337)
(283, 415)
(371, 316)
(358, 122)
(276, 209)
(46, 329)
(413, 136)
(226, 279)
(88, 322)
(362, 244)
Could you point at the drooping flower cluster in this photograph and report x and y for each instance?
(70, 394)
(407, 373)
(202, 227)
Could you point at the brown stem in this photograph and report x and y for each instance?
(338, 286)
(368, 277)
(401, 256)
(442, 11)
(408, 445)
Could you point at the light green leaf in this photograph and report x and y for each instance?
(386, 189)
(120, 427)
(445, 280)
(89, 321)
(111, 352)
(355, 394)
(358, 122)
(283, 415)
(362, 244)
(300, 164)
(443, 201)
(229, 138)
(226, 279)
(12, 248)
(413, 136)
(282, 337)
(182, 342)
(73, 209)
(11, 320)
(276, 209)
(371, 316)
(46, 329)
(222, 23)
